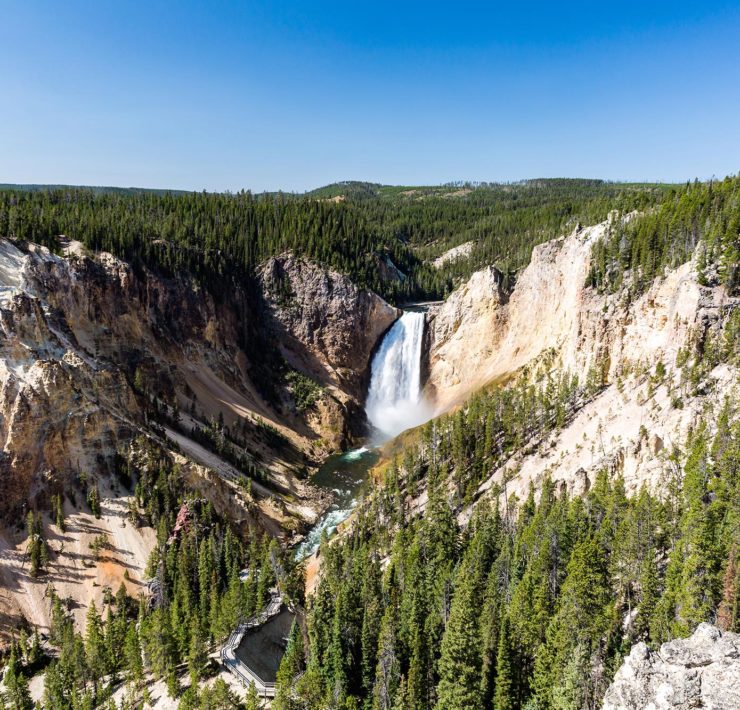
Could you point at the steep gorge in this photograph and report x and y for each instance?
(205, 357)
(551, 322)
(99, 353)
(101, 359)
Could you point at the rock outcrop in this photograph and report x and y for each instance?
(461, 251)
(481, 333)
(60, 409)
(465, 333)
(702, 671)
(79, 331)
(552, 322)
(325, 324)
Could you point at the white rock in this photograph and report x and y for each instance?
(702, 671)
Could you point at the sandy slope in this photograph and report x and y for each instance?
(73, 568)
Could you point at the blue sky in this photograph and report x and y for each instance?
(289, 95)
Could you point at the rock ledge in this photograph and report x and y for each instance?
(702, 671)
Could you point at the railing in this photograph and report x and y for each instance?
(228, 652)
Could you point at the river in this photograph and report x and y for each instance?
(394, 404)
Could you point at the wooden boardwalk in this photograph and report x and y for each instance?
(243, 673)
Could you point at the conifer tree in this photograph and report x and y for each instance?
(57, 504)
(459, 663)
(197, 653)
(132, 655)
(16, 684)
(505, 693)
(291, 665)
(387, 673)
(699, 584)
(728, 614)
(649, 596)
(402, 701)
(95, 647)
(252, 701)
(34, 652)
(36, 550)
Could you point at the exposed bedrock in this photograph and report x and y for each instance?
(702, 671)
(81, 333)
(552, 321)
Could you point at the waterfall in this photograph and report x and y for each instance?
(394, 397)
(394, 403)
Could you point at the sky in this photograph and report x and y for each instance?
(295, 95)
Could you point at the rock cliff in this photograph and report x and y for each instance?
(79, 331)
(60, 409)
(481, 333)
(552, 322)
(702, 671)
(97, 353)
(325, 325)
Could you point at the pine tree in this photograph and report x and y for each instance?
(369, 641)
(402, 700)
(700, 581)
(490, 636)
(649, 596)
(505, 693)
(728, 614)
(197, 653)
(34, 653)
(16, 684)
(57, 504)
(387, 673)
(291, 665)
(132, 655)
(55, 688)
(93, 500)
(568, 694)
(460, 660)
(173, 683)
(582, 618)
(95, 647)
(36, 550)
(252, 701)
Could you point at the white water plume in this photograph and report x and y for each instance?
(394, 401)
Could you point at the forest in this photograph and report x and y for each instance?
(534, 602)
(220, 238)
(667, 235)
(530, 605)
(196, 598)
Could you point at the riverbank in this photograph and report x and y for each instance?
(345, 476)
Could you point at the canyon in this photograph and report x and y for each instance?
(103, 360)
(93, 347)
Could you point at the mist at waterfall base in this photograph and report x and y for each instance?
(394, 401)
(394, 404)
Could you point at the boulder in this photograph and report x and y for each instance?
(702, 671)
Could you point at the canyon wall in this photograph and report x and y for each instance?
(325, 326)
(79, 330)
(100, 357)
(553, 322)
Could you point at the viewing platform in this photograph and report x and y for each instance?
(255, 648)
